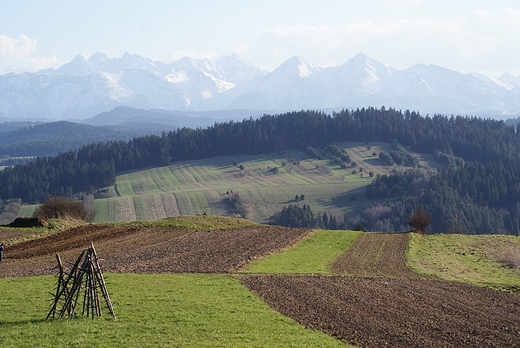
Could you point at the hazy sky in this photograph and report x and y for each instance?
(464, 35)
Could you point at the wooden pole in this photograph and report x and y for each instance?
(101, 282)
(75, 290)
(65, 284)
(86, 278)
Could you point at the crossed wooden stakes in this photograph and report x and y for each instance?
(86, 279)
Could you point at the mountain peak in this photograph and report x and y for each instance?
(86, 86)
(299, 65)
(510, 79)
(78, 66)
(98, 57)
(361, 59)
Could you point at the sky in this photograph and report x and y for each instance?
(464, 35)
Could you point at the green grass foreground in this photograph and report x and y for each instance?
(310, 256)
(166, 310)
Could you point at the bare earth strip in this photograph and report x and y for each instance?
(394, 312)
(376, 254)
(151, 249)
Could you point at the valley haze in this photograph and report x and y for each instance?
(230, 87)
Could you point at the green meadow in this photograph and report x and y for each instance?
(167, 310)
(174, 310)
(485, 260)
(203, 186)
(312, 255)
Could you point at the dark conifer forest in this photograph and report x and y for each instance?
(478, 192)
(19, 139)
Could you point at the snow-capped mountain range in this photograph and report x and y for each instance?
(85, 87)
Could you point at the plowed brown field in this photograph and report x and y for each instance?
(394, 309)
(374, 254)
(394, 312)
(150, 249)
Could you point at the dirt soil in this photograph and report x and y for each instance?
(395, 309)
(394, 312)
(376, 254)
(150, 249)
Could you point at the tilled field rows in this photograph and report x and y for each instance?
(152, 249)
(394, 312)
(376, 254)
(206, 251)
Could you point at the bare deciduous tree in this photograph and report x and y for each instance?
(419, 220)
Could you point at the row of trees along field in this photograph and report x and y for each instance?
(479, 192)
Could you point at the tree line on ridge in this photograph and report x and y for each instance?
(477, 192)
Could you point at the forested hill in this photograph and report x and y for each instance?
(52, 137)
(478, 193)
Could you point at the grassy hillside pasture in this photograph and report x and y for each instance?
(168, 310)
(195, 187)
(483, 260)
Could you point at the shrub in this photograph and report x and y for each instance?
(64, 209)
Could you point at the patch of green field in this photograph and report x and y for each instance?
(310, 256)
(116, 209)
(123, 185)
(166, 310)
(27, 210)
(101, 210)
(484, 259)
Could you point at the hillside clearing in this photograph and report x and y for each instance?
(198, 186)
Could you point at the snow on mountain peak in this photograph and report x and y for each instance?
(299, 66)
(80, 65)
(86, 86)
(98, 58)
(510, 79)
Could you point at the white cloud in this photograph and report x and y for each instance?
(469, 44)
(17, 55)
(16, 49)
